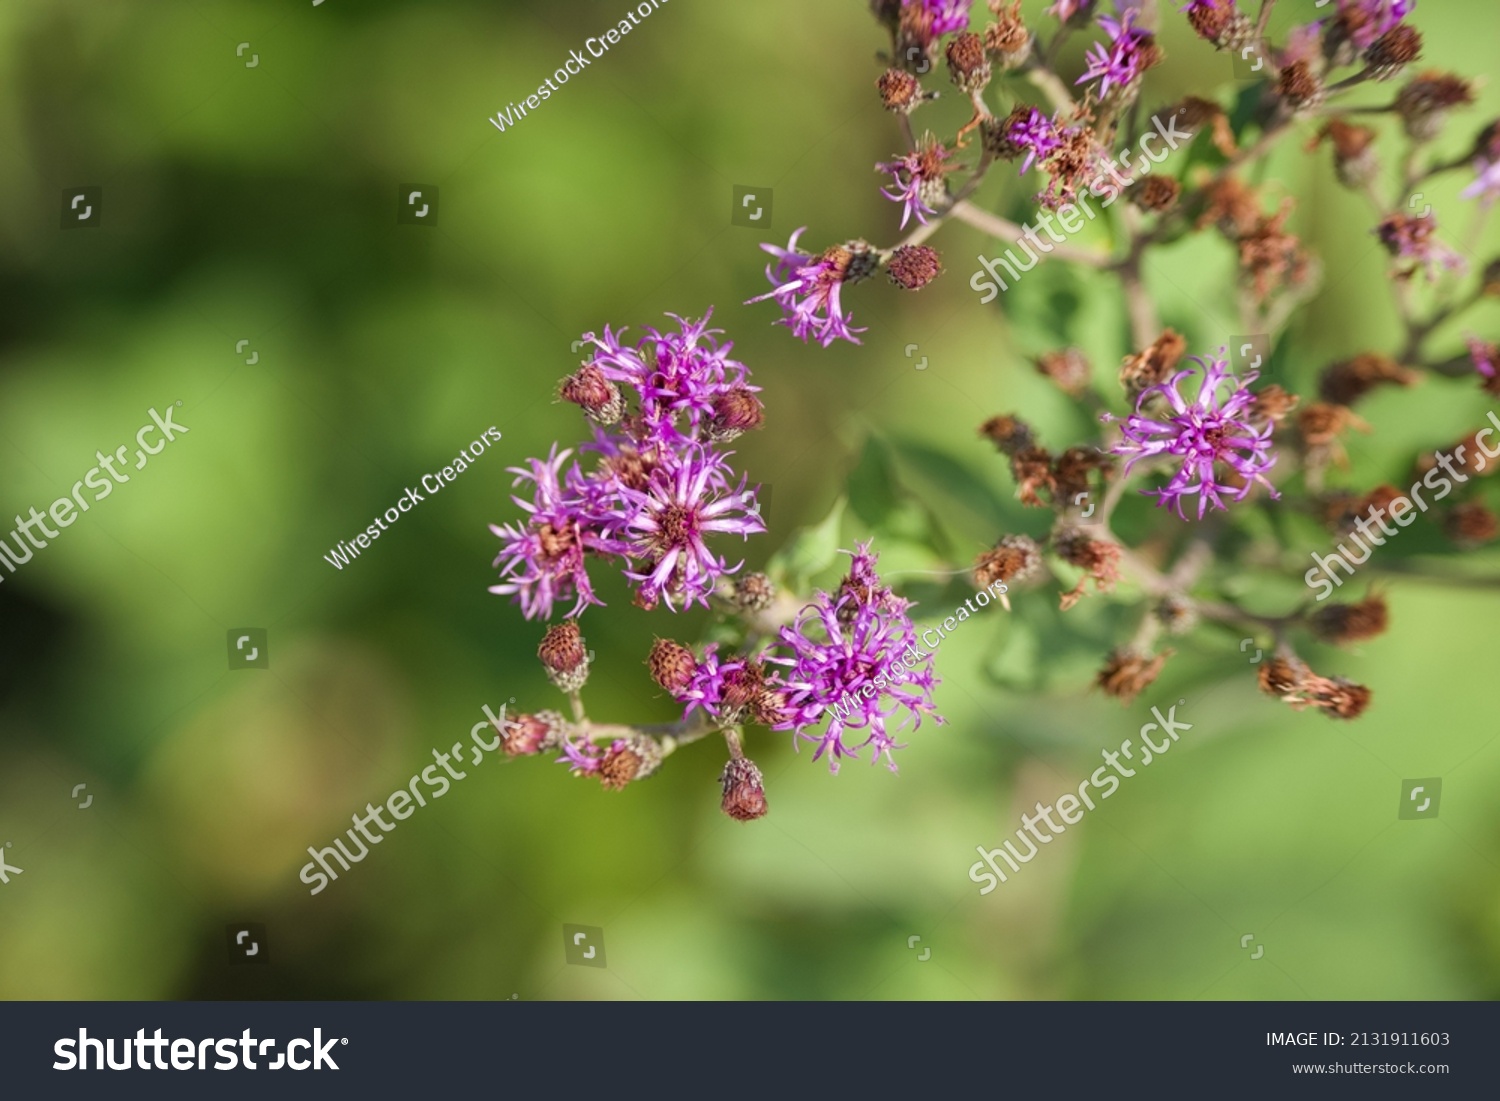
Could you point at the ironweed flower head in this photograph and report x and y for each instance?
(805, 286)
(849, 670)
(918, 180)
(664, 526)
(1209, 434)
(947, 15)
(1364, 21)
(1130, 52)
(1414, 237)
(543, 559)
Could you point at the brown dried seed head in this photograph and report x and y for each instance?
(1425, 101)
(1178, 614)
(1098, 558)
(1346, 382)
(1129, 672)
(1015, 558)
(769, 707)
(1008, 433)
(1273, 404)
(744, 790)
(1321, 423)
(1007, 38)
(1069, 368)
(1230, 205)
(1070, 473)
(1154, 365)
(1032, 470)
(1282, 676)
(1351, 622)
(1156, 193)
(1341, 699)
(1471, 524)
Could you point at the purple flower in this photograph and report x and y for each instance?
(664, 525)
(947, 15)
(583, 757)
(1035, 134)
(804, 285)
(1124, 59)
(850, 669)
(1414, 237)
(1064, 10)
(1367, 20)
(544, 559)
(1209, 432)
(918, 180)
(1485, 356)
(1486, 166)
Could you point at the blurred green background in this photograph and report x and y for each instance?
(259, 203)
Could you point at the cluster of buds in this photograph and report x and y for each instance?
(1287, 678)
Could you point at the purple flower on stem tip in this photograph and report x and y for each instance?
(804, 285)
(1064, 10)
(582, 757)
(1485, 356)
(947, 15)
(1123, 59)
(836, 658)
(1037, 135)
(544, 559)
(1368, 20)
(664, 525)
(1210, 432)
(918, 179)
(1414, 237)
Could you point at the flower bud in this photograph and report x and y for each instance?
(1154, 365)
(672, 665)
(1351, 622)
(1069, 368)
(744, 790)
(912, 267)
(753, 592)
(1155, 193)
(900, 92)
(598, 397)
(1393, 51)
(1222, 24)
(1354, 159)
(564, 657)
(526, 735)
(741, 687)
(1424, 103)
(1299, 86)
(1346, 382)
(968, 67)
(1129, 671)
(1471, 524)
(1178, 614)
(769, 708)
(735, 412)
(1274, 404)
(619, 765)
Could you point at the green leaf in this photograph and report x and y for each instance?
(809, 552)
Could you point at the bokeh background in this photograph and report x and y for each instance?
(258, 202)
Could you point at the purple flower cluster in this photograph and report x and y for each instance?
(1211, 432)
(1034, 134)
(807, 288)
(917, 180)
(846, 664)
(659, 486)
(1124, 59)
(851, 658)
